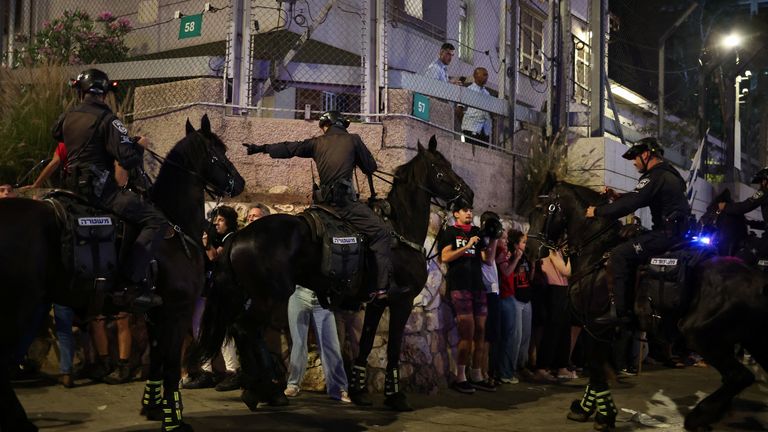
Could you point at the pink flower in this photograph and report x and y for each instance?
(46, 24)
(124, 23)
(105, 16)
(114, 25)
(58, 27)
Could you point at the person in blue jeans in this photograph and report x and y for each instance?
(303, 306)
(64, 316)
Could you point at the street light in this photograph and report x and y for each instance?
(737, 121)
(732, 40)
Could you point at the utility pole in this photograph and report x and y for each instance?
(597, 27)
(662, 44)
(508, 26)
(564, 67)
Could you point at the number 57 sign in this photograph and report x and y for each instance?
(191, 26)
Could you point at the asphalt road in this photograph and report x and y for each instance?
(664, 395)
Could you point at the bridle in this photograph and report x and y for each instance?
(440, 176)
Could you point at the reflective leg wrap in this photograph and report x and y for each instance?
(152, 397)
(605, 419)
(358, 382)
(172, 408)
(392, 381)
(582, 410)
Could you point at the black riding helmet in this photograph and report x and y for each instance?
(646, 144)
(760, 176)
(92, 81)
(333, 118)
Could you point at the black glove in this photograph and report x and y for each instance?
(255, 148)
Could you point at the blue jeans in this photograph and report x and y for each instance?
(64, 316)
(524, 315)
(509, 338)
(302, 307)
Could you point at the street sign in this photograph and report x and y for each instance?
(190, 26)
(421, 106)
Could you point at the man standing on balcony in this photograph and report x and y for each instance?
(438, 69)
(476, 124)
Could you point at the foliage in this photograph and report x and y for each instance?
(30, 102)
(76, 38)
(546, 156)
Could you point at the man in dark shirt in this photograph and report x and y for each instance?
(759, 199)
(95, 139)
(336, 154)
(461, 248)
(662, 189)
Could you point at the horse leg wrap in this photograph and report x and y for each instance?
(393, 397)
(605, 419)
(582, 410)
(151, 401)
(172, 409)
(358, 386)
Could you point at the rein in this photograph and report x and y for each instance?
(212, 190)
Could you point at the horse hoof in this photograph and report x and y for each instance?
(604, 424)
(360, 398)
(699, 420)
(250, 399)
(577, 413)
(397, 402)
(152, 413)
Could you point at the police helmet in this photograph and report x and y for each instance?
(646, 144)
(333, 118)
(92, 81)
(760, 176)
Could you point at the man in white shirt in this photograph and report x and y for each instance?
(438, 69)
(476, 124)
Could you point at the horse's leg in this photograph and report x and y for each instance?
(12, 415)
(176, 318)
(151, 400)
(260, 381)
(735, 378)
(399, 311)
(597, 395)
(358, 383)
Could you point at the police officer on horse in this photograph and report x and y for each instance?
(95, 139)
(336, 154)
(759, 199)
(662, 188)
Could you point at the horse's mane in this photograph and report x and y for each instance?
(583, 195)
(187, 152)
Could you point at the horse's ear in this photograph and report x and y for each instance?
(432, 144)
(419, 146)
(549, 182)
(205, 124)
(190, 128)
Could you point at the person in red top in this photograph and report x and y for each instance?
(461, 249)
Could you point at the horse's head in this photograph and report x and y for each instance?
(220, 175)
(441, 180)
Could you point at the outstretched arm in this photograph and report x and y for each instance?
(284, 150)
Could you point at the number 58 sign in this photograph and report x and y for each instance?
(191, 26)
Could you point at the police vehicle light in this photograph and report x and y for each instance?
(704, 240)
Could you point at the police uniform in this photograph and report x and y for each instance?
(759, 199)
(336, 153)
(663, 190)
(95, 138)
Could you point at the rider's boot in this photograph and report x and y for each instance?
(582, 410)
(358, 386)
(139, 296)
(152, 401)
(605, 419)
(393, 397)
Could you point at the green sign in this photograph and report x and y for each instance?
(191, 26)
(421, 106)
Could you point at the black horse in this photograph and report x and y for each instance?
(273, 254)
(32, 270)
(729, 304)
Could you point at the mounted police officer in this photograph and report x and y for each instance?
(336, 154)
(662, 188)
(759, 199)
(95, 139)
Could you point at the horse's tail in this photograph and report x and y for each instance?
(224, 303)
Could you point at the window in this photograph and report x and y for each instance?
(531, 41)
(582, 59)
(465, 32)
(344, 99)
(428, 17)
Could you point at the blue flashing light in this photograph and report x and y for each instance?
(704, 240)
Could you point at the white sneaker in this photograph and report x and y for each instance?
(345, 397)
(291, 391)
(512, 380)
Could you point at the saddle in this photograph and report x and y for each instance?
(89, 241)
(343, 250)
(664, 284)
